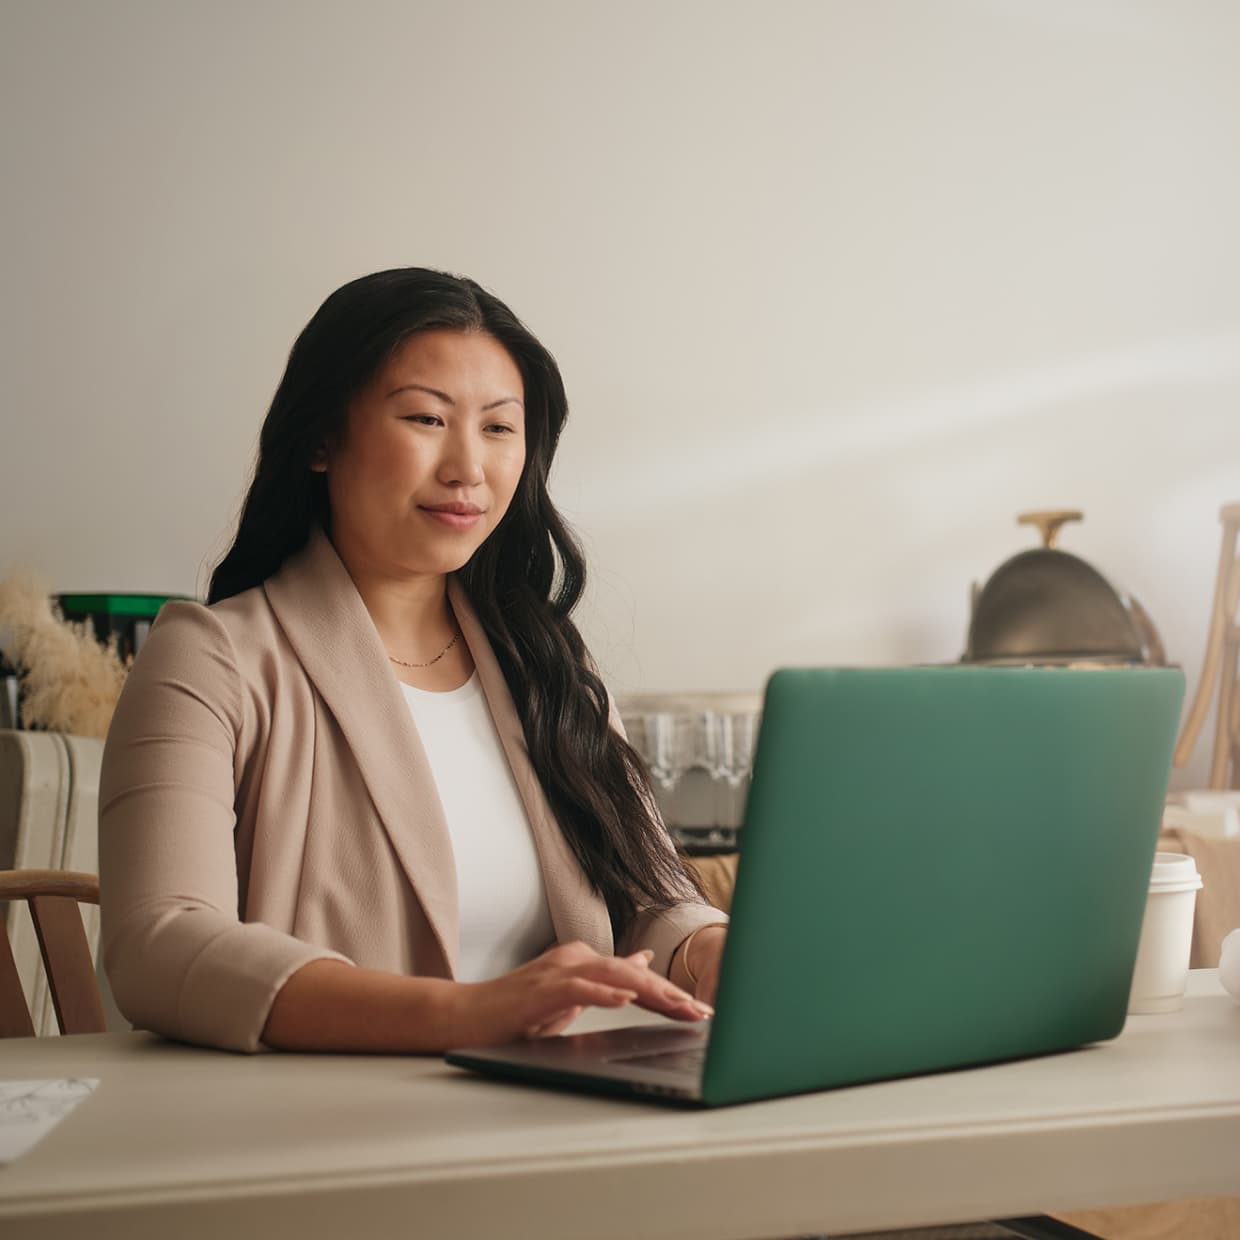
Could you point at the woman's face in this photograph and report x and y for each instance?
(430, 458)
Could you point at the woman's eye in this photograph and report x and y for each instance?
(500, 428)
(422, 419)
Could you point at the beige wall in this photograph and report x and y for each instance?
(837, 288)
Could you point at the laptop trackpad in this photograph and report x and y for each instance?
(666, 1061)
(629, 1050)
(645, 1046)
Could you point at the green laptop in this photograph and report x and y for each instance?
(940, 867)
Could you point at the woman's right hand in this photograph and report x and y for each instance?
(544, 997)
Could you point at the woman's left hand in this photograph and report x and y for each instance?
(706, 952)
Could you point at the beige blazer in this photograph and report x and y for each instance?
(265, 801)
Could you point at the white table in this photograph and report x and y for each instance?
(191, 1143)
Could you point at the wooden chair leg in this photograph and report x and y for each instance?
(15, 1019)
(66, 956)
(1223, 722)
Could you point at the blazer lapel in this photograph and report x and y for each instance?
(577, 912)
(330, 630)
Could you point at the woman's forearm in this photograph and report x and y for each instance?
(328, 1005)
(331, 1006)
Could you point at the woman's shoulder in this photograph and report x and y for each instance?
(214, 655)
(236, 622)
(198, 639)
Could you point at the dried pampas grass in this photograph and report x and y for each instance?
(70, 683)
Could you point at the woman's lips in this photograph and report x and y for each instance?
(454, 516)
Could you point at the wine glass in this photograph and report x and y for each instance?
(738, 736)
(678, 742)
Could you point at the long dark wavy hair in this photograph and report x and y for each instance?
(524, 581)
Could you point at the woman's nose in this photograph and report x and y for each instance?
(461, 462)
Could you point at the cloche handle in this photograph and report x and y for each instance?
(1049, 522)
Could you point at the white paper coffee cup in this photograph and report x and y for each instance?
(1161, 972)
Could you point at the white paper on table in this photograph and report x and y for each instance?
(29, 1110)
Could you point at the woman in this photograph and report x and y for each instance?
(372, 797)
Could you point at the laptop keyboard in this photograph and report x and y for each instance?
(668, 1061)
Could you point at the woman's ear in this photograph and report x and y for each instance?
(318, 460)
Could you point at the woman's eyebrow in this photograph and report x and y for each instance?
(421, 387)
(447, 400)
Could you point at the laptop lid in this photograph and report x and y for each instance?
(940, 866)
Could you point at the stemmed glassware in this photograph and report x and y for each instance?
(672, 743)
(737, 736)
(678, 743)
(698, 749)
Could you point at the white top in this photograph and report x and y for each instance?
(504, 918)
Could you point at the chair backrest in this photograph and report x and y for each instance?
(1220, 666)
(53, 897)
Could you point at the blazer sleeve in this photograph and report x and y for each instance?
(663, 930)
(178, 957)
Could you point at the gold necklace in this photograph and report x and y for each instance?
(428, 662)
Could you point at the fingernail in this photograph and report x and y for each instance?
(704, 1008)
(642, 957)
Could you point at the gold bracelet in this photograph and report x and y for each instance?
(684, 948)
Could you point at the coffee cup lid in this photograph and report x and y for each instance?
(1174, 872)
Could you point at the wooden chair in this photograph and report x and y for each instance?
(53, 897)
(1221, 666)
